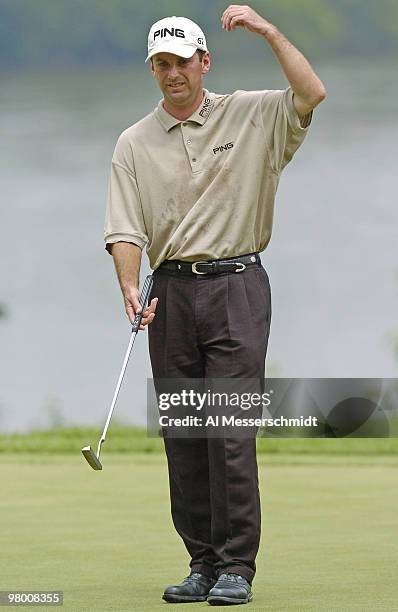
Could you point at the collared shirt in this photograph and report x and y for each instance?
(203, 188)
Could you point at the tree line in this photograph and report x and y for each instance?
(58, 33)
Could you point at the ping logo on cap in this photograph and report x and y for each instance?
(171, 32)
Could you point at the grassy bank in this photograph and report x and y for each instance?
(126, 439)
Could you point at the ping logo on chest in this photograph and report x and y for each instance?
(224, 147)
(171, 32)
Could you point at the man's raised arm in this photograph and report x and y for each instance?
(308, 89)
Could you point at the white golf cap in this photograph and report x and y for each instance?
(176, 35)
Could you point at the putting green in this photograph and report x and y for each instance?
(329, 539)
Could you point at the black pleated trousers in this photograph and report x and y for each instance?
(213, 326)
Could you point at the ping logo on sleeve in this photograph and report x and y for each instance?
(224, 147)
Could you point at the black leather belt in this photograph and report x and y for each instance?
(215, 266)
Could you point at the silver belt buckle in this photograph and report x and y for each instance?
(243, 267)
(193, 267)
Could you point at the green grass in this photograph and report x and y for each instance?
(120, 438)
(106, 538)
(126, 439)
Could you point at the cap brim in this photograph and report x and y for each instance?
(174, 48)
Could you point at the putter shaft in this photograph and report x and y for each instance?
(119, 383)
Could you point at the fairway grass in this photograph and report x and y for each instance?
(329, 540)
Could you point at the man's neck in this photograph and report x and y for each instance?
(182, 113)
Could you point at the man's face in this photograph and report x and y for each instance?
(179, 78)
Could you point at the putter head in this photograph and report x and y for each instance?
(91, 458)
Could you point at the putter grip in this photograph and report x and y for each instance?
(146, 290)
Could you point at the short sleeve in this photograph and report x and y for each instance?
(124, 221)
(283, 130)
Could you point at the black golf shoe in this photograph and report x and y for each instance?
(194, 587)
(230, 589)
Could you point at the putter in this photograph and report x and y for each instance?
(92, 458)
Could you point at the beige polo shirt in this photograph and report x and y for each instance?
(203, 188)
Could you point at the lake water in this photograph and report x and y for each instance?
(332, 261)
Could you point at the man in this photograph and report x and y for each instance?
(194, 182)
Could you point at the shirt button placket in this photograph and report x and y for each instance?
(193, 160)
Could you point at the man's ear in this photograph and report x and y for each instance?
(206, 62)
(151, 67)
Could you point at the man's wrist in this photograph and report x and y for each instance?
(128, 286)
(269, 32)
